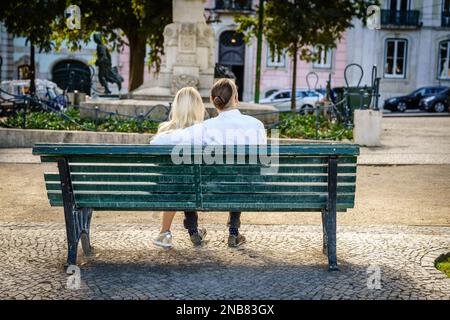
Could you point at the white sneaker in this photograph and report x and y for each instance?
(164, 240)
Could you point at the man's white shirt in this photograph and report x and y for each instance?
(228, 128)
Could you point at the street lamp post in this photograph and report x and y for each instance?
(259, 50)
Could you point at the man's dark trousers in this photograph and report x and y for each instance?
(191, 220)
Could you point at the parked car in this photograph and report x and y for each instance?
(411, 101)
(17, 91)
(439, 102)
(305, 100)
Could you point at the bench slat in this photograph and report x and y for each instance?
(263, 207)
(274, 178)
(131, 206)
(225, 198)
(124, 178)
(146, 206)
(307, 149)
(126, 198)
(256, 170)
(92, 186)
(206, 170)
(106, 196)
(209, 188)
(220, 189)
(132, 169)
(272, 188)
(167, 159)
(206, 179)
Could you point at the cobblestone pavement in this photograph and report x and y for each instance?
(278, 262)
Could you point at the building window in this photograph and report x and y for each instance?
(399, 5)
(444, 59)
(274, 60)
(270, 92)
(324, 58)
(395, 58)
(23, 72)
(445, 20)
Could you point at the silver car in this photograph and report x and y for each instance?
(305, 100)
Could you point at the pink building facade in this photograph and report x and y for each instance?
(276, 73)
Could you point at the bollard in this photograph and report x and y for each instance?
(367, 130)
(96, 118)
(24, 118)
(140, 121)
(316, 107)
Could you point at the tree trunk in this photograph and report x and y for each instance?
(137, 60)
(294, 82)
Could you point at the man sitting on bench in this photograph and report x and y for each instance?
(230, 127)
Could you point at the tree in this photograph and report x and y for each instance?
(32, 20)
(142, 22)
(303, 28)
(136, 23)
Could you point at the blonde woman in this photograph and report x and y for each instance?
(187, 110)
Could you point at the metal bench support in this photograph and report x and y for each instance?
(329, 216)
(78, 220)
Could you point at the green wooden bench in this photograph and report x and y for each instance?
(309, 177)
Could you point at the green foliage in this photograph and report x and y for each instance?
(297, 26)
(116, 19)
(298, 126)
(32, 20)
(291, 125)
(443, 264)
(71, 120)
(141, 21)
(301, 27)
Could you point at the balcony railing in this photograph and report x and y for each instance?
(408, 18)
(234, 5)
(445, 20)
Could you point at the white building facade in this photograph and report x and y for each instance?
(411, 49)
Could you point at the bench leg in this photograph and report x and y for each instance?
(78, 223)
(329, 214)
(324, 230)
(85, 226)
(329, 238)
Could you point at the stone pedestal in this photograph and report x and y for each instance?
(188, 61)
(367, 131)
(188, 57)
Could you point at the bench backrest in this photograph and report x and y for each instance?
(144, 177)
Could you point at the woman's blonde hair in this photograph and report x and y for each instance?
(223, 93)
(187, 110)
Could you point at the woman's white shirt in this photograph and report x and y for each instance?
(187, 136)
(228, 128)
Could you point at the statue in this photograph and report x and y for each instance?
(223, 72)
(106, 73)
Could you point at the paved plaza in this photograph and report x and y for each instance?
(386, 245)
(278, 262)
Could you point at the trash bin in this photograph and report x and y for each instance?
(354, 98)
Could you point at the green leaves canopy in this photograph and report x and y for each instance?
(141, 21)
(32, 19)
(115, 18)
(299, 25)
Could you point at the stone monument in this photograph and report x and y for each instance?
(188, 58)
(188, 61)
